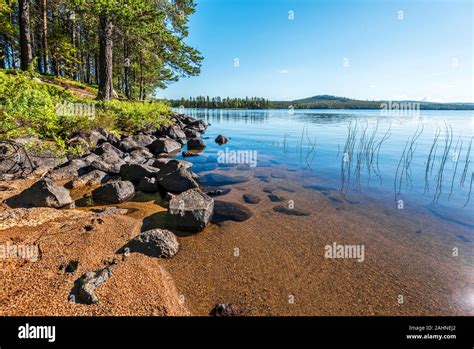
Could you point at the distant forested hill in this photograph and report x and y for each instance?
(315, 102)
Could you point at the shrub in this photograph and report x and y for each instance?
(29, 107)
(130, 117)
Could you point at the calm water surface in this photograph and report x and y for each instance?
(423, 160)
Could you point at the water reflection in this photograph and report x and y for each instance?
(424, 159)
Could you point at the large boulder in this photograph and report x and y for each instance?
(135, 173)
(158, 163)
(94, 177)
(230, 211)
(190, 211)
(164, 146)
(89, 138)
(44, 193)
(108, 162)
(147, 185)
(69, 170)
(196, 143)
(192, 132)
(221, 140)
(199, 125)
(175, 178)
(114, 192)
(107, 148)
(127, 144)
(155, 243)
(142, 152)
(143, 140)
(176, 133)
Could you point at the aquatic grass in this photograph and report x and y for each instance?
(385, 137)
(470, 190)
(467, 162)
(410, 154)
(398, 180)
(448, 141)
(455, 165)
(428, 163)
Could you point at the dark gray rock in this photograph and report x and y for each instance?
(218, 192)
(226, 310)
(114, 192)
(147, 185)
(192, 132)
(108, 162)
(190, 210)
(90, 158)
(135, 173)
(155, 243)
(136, 159)
(70, 170)
(218, 180)
(127, 144)
(85, 286)
(164, 146)
(143, 140)
(221, 140)
(94, 177)
(196, 143)
(176, 133)
(251, 198)
(199, 125)
(141, 152)
(89, 138)
(107, 148)
(230, 211)
(158, 163)
(44, 193)
(175, 178)
(276, 198)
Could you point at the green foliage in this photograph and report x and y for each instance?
(28, 106)
(130, 117)
(31, 107)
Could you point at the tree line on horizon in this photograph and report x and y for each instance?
(130, 47)
(219, 102)
(316, 102)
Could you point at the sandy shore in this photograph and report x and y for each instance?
(270, 264)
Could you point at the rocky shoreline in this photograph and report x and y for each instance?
(116, 170)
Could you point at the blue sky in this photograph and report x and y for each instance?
(364, 49)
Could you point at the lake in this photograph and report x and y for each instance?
(386, 156)
(395, 188)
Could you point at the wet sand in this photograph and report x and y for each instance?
(270, 264)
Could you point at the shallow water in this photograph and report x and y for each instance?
(389, 158)
(415, 221)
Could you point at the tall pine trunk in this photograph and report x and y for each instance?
(44, 36)
(105, 58)
(126, 59)
(2, 51)
(96, 69)
(26, 53)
